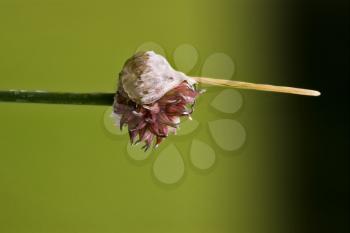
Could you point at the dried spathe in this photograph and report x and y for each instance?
(152, 96)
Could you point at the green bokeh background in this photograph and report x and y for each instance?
(60, 171)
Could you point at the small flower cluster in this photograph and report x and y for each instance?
(153, 122)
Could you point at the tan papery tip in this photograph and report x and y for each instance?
(254, 86)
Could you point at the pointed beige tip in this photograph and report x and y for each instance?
(254, 86)
(317, 93)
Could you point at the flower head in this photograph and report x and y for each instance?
(152, 97)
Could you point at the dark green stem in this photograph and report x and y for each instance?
(22, 96)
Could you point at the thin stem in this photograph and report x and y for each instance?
(254, 86)
(22, 96)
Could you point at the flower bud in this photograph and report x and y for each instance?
(152, 97)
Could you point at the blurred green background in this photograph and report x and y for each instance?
(60, 170)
